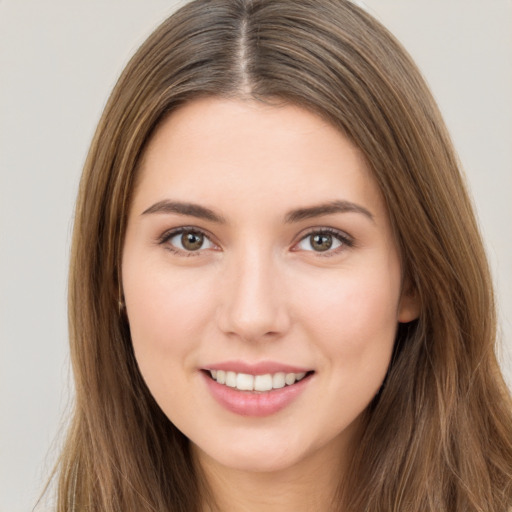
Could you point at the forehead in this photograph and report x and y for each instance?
(218, 151)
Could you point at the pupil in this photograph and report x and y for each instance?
(321, 242)
(192, 241)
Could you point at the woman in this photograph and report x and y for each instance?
(278, 294)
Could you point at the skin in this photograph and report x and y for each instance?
(257, 290)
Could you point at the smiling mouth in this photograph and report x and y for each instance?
(256, 383)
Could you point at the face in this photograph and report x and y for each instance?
(262, 282)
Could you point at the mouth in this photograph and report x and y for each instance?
(256, 383)
(256, 389)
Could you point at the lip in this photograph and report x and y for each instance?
(253, 403)
(259, 368)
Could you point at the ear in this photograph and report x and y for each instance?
(409, 306)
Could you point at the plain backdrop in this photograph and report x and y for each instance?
(58, 62)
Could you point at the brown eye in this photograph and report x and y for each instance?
(188, 240)
(192, 241)
(321, 242)
(324, 241)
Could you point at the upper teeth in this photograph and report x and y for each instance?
(247, 382)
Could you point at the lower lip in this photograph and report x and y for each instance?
(247, 403)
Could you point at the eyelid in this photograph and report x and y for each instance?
(170, 233)
(346, 240)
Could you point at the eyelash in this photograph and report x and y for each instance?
(345, 240)
(168, 235)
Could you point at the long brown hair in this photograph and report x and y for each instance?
(438, 436)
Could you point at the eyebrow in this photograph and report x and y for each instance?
(329, 208)
(189, 209)
(201, 212)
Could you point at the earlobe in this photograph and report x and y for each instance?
(409, 307)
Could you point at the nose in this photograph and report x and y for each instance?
(253, 305)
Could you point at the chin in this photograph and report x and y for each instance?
(257, 456)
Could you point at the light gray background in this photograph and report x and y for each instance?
(58, 61)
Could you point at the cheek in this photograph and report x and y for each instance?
(168, 316)
(166, 312)
(354, 316)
